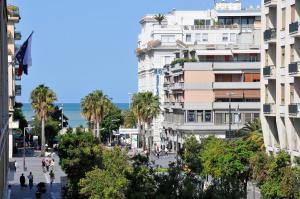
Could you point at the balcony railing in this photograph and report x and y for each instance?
(294, 68)
(268, 108)
(270, 34)
(18, 90)
(294, 109)
(268, 2)
(268, 71)
(18, 36)
(17, 78)
(294, 27)
(13, 11)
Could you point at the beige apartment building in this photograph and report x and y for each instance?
(280, 85)
(4, 114)
(213, 85)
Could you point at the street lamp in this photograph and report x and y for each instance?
(62, 116)
(230, 116)
(24, 145)
(129, 98)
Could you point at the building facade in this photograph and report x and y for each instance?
(196, 62)
(4, 114)
(280, 85)
(13, 89)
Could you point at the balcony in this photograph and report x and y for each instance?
(269, 108)
(294, 69)
(270, 35)
(13, 11)
(269, 72)
(18, 36)
(270, 3)
(236, 85)
(177, 86)
(294, 110)
(17, 78)
(18, 90)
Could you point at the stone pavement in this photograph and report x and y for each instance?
(34, 165)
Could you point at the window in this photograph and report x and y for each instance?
(232, 37)
(283, 19)
(207, 116)
(292, 90)
(204, 37)
(225, 37)
(282, 56)
(188, 38)
(199, 116)
(168, 38)
(191, 116)
(292, 53)
(198, 37)
(282, 94)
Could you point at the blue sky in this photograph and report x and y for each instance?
(79, 47)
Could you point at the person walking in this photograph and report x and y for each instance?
(166, 151)
(30, 179)
(22, 181)
(51, 174)
(43, 165)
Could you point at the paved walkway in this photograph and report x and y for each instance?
(34, 165)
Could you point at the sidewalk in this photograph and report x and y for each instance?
(34, 165)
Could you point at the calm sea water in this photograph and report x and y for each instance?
(71, 110)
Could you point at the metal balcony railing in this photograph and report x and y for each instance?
(18, 90)
(293, 109)
(294, 27)
(268, 108)
(270, 34)
(294, 68)
(18, 36)
(268, 71)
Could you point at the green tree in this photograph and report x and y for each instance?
(141, 179)
(79, 153)
(191, 154)
(109, 182)
(111, 122)
(145, 107)
(94, 107)
(18, 115)
(159, 18)
(272, 186)
(42, 99)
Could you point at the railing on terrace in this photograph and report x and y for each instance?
(270, 34)
(268, 71)
(200, 46)
(294, 27)
(203, 27)
(268, 108)
(294, 109)
(294, 68)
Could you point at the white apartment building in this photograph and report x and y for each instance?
(214, 34)
(280, 85)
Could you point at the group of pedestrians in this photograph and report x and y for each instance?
(48, 165)
(23, 181)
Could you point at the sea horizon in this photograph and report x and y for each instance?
(71, 110)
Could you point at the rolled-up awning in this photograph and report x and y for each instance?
(226, 93)
(214, 52)
(252, 94)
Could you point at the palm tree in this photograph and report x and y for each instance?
(159, 17)
(94, 107)
(145, 107)
(42, 98)
(252, 131)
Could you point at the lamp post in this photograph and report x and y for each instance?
(230, 115)
(129, 99)
(24, 145)
(62, 116)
